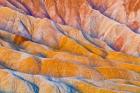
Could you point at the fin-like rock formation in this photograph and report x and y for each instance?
(69, 46)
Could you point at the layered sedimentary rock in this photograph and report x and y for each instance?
(69, 46)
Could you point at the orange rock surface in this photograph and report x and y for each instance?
(69, 46)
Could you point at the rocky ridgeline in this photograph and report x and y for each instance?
(69, 46)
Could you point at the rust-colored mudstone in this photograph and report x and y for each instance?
(69, 46)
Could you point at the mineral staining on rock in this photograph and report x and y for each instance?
(69, 46)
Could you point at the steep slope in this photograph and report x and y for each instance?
(69, 46)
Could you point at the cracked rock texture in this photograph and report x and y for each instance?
(69, 46)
